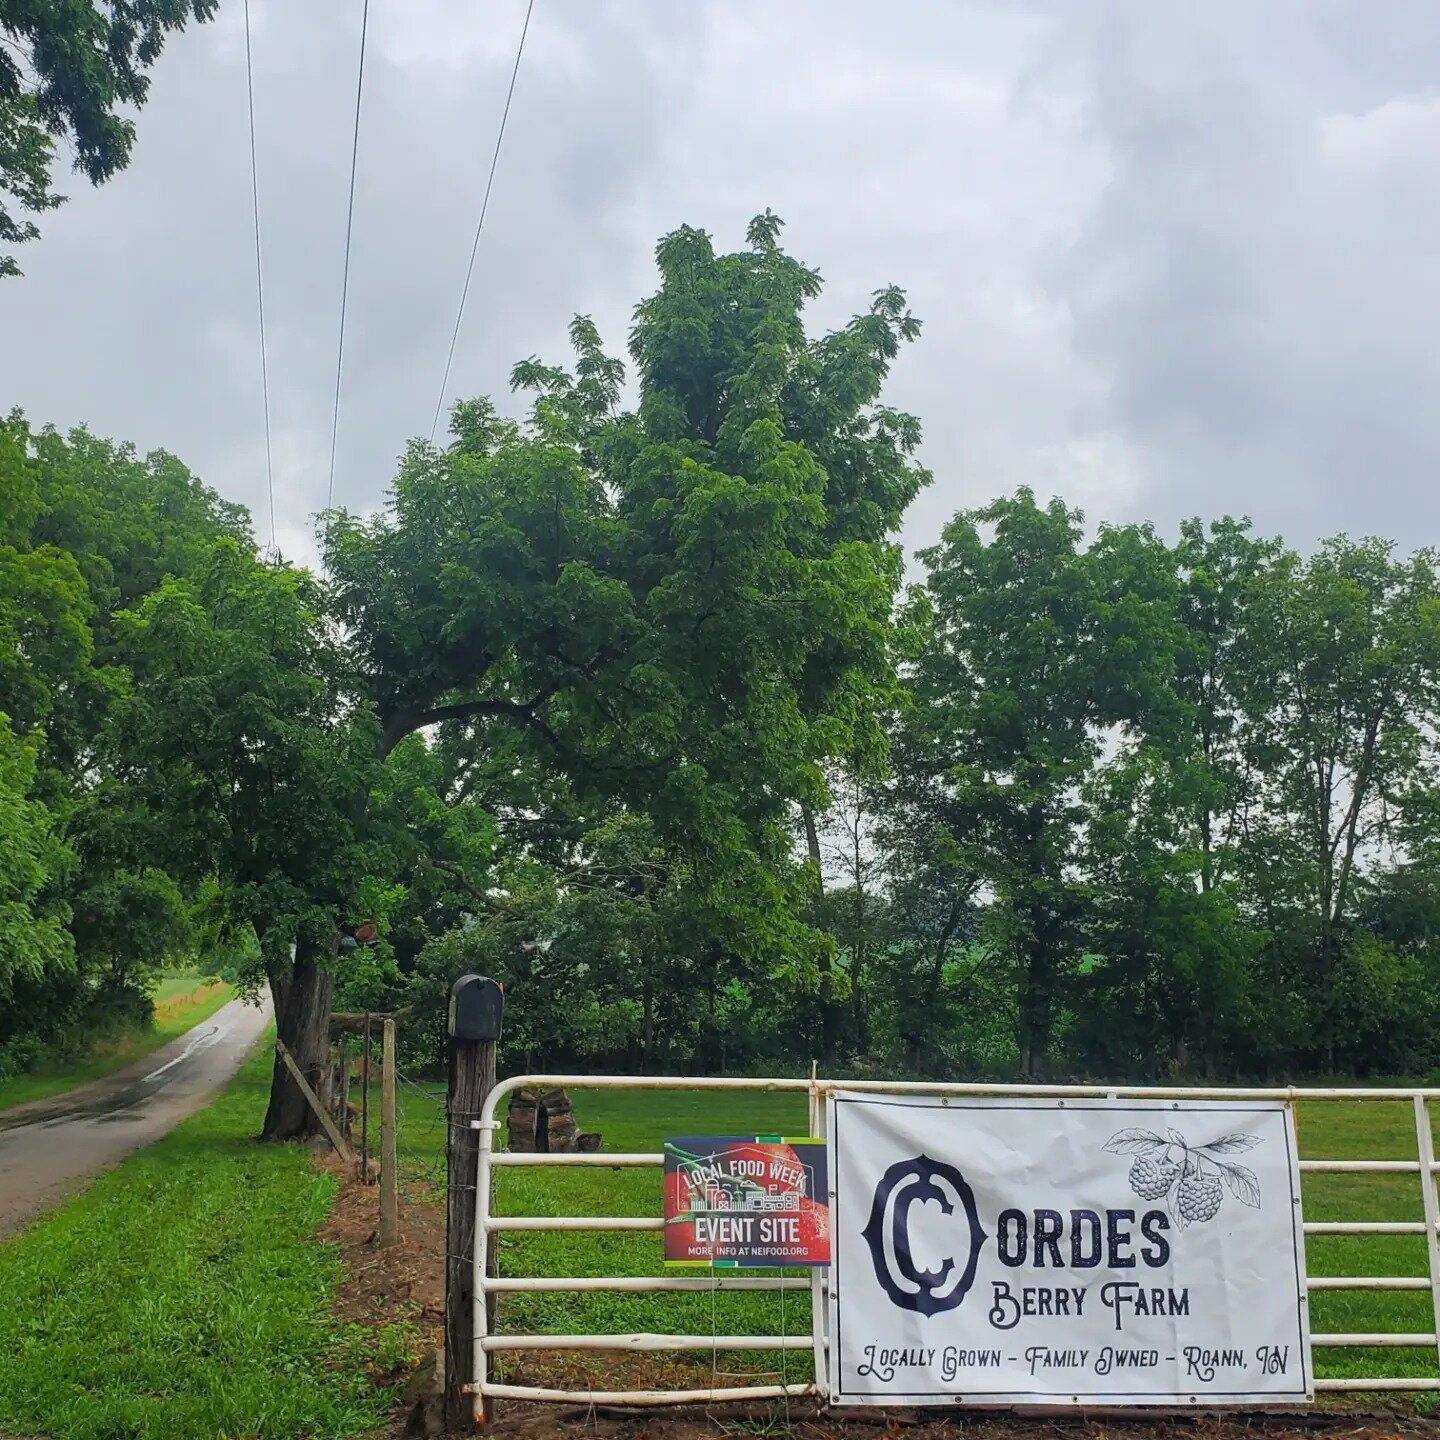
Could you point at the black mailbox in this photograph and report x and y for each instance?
(476, 1006)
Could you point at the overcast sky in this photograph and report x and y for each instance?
(1171, 258)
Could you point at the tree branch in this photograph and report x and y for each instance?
(479, 896)
(409, 721)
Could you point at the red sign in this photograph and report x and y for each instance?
(736, 1200)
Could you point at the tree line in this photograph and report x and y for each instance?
(1152, 808)
(628, 704)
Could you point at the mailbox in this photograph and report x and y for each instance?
(476, 1006)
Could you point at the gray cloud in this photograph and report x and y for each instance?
(1256, 279)
(1170, 258)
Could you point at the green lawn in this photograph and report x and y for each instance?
(181, 1003)
(184, 1295)
(174, 984)
(1381, 1130)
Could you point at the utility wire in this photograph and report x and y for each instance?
(259, 280)
(480, 224)
(349, 230)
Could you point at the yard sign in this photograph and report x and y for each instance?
(734, 1201)
(1016, 1249)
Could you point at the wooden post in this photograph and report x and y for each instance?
(389, 1179)
(342, 1086)
(365, 1104)
(475, 1009)
(313, 1101)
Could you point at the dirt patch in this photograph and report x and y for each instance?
(724, 1423)
(404, 1284)
(384, 1286)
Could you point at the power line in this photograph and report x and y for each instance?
(349, 229)
(259, 278)
(480, 224)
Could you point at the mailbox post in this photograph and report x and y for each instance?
(477, 1006)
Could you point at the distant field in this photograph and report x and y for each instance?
(1380, 1130)
(181, 1002)
(173, 985)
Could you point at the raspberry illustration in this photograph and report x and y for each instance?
(1150, 1179)
(1195, 1177)
(1198, 1197)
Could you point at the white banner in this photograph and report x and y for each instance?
(1009, 1250)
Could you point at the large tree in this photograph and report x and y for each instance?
(244, 738)
(680, 610)
(86, 528)
(1033, 647)
(67, 69)
(1344, 707)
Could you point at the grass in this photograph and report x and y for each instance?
(184, 1295)
(1380, 1130)
(181, 1003)
(177, 984)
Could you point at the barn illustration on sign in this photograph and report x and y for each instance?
(740, 1200)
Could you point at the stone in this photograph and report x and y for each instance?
(423, 1400)
(522, 1121)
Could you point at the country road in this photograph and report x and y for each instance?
(48, 1148)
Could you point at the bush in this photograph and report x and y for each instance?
(20, 1055)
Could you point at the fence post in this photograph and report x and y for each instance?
(342, 1086)
(327, 1123)
(474, 1026)
(389, 1177)
(365, 1104)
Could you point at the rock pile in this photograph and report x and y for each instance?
(544, 1121)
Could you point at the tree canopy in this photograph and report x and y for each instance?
(621, 697)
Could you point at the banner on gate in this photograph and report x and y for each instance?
(1010, 1250)
(737, 1200)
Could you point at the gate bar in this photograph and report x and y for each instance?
(1388, 1382)
(1219, 1094)
(819, 1277)
(1384, 1339)
(660, 1397)
(1367, 1282)
(584, 1157)
(1364, 1227)
(655, 1342)
(721, 1280)
(1364, 1167)
(587, 1222)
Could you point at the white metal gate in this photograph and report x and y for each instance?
(816, 1341)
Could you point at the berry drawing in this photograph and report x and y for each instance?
(1192, 1179)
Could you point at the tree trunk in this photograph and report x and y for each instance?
(812, 846)
(828, 1040)
(648, 1034)
(302, 1020)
